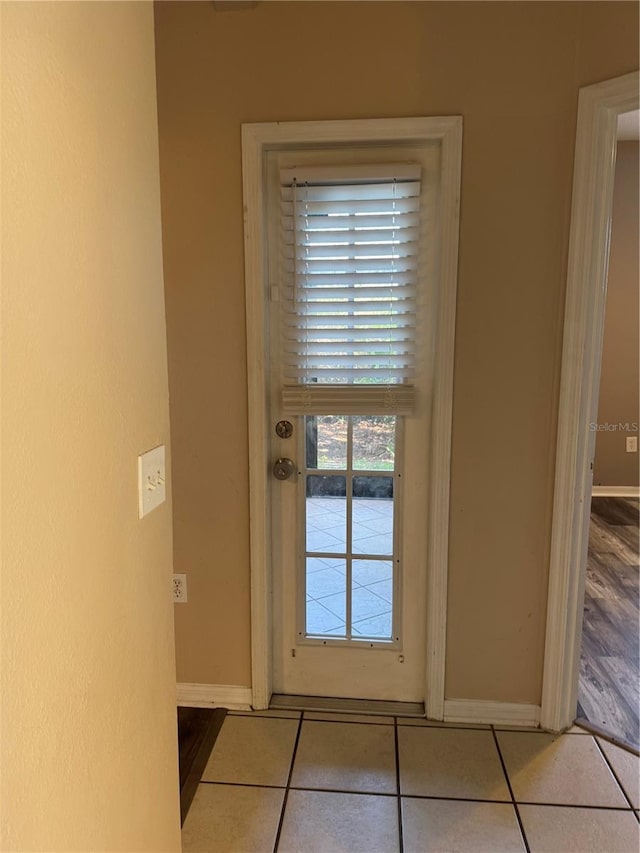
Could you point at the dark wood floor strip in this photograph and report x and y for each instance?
(198, 729)
(608, 692)
(616, 511)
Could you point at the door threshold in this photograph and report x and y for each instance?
(329, 704)
(605, 734)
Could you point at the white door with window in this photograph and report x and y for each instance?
(349, 261)
(351, 232)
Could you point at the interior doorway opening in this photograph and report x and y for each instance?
(609, 684)
(599, 107)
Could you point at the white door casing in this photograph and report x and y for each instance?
(258, 139)
(598, 109)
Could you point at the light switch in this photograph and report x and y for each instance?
(151, 480)
(631, 444)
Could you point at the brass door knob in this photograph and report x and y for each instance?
(283, 468)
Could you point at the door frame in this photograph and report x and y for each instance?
(257, 139)
(599, 106)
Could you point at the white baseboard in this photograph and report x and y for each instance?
(495, 713)
(616, 491)
(214, 696)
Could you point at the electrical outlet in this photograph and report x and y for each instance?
(180, 589)
(632, 444)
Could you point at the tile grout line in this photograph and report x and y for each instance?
(399, 799)
(513, 799)
(420, 796)
(478, 727)
(349, 722)
(286, 792)
(243, 785)
(615, 776)
(257, 716)
(577, 806)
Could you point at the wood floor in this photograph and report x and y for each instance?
(197, 732)
(608, 692)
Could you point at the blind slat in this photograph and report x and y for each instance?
(330, 224)
(323, 336)
(371, 357)
(355, 279)
(364, 321)
(339, 351)
(356, 237)
(347, 375)
(384, 311)
(376, 292)
(352, 210)
(347, 266)
(384, 253)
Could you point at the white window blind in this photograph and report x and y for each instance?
(350, 252)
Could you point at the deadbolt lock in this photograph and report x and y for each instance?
(284, 429)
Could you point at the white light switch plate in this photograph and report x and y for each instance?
(151, 480)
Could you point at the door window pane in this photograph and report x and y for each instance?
(326, 597)
(372, 520)
(374, 440)
(326, 516)
(326, 441)
(372, 598)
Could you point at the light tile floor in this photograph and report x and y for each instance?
(326, 783)
(372, 533)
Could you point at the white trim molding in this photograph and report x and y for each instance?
(229, 696)
(615, 492)
(257, 140)
(598, 109)
(492, 713)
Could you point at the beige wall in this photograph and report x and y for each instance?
(513, 71)
(89, 758)
(619, 380)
